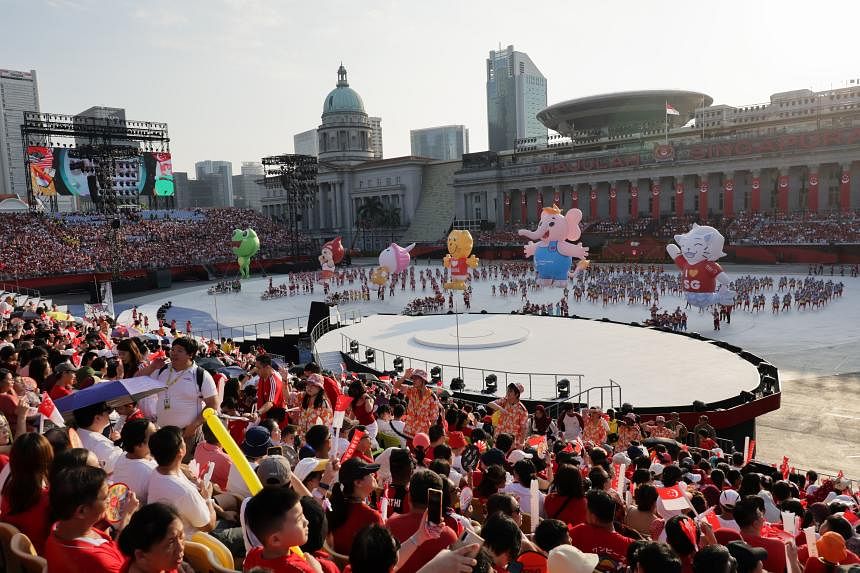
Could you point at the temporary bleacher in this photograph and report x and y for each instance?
(436, 209)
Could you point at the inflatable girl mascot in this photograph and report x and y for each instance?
(394, 259)
(699, 250)
(331, 255)
(555, 250)
(459, 258)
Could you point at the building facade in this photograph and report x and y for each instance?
(306, 143)
(219, 169)
(799, 152)
(516, 92)
(19, 93)
(376, 137)
(247, 191)
(445, 143)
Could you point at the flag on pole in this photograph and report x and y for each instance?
(670, 110)
(49, 410)
(673, 498)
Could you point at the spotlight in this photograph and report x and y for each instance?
(369, 354)
(457, 384)
(563, 388)
(398, 364)
(436, 372)
(353, 347)
(490, 384)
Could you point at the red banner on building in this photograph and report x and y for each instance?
(556, 197)
(507, 208)
(592, 206)
(679, 199)
(729, 198)
(782, 194)
(574, 198)
(755, 200)
(703, 200)
(845, 192)
(539, 203)
(655, 201)
(634, 201)
(812, 193)
(524, 214)
(613, 202)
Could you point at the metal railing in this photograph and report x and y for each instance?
(19, 290)
(265, 329)
(383, 360)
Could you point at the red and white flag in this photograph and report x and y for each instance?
(671, 110)
(673, 498)
(49, 410)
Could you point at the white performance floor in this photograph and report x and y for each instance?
(653, 368)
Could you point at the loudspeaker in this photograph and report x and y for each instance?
(318, 311)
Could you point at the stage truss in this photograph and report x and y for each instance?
(297, 176)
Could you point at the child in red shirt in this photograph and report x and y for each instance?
(276, 517)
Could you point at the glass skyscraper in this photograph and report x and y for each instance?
(448, 142)
(516, 92)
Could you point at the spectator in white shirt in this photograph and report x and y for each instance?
(91, 422)
(182, 404)
(136, 466)
(524, 473)
(256, 444)
(169, 485)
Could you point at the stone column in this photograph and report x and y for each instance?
(845, 188)
(592, 203)
(729, 194)
(812, 189)
(634, 199)
(783, 188)
(755, 196)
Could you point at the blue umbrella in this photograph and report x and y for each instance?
(115, 393)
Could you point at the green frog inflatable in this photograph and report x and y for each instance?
(245, 244)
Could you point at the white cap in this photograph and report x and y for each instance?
(729, 498)
(656, 469)
(518, 455)
(569, 559)
(621, 458)
(307, 466)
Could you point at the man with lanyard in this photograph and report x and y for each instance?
(187, 394)
(270, 387)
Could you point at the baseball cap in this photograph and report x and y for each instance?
(257, 441)
(634, 452)
(456, 440)
(355, 469)
(831, 547)
(64, 367)
(274, 471)
(656, 469)
(493, 457)
(729, 498)
(518, 455)
(307, 466)
(421, 440)
(746, 555)
(569, 559)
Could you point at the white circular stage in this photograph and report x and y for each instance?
(653, 368)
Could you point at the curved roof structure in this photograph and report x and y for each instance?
(343, 98)
(621, 108)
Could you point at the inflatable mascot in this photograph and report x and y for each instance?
(246, 244)
(331, 255)
(699, 250)
(392, 260)
(554, 250)
(459, 258)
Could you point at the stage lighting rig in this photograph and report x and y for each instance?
(353, 347)
(457, 384)
(436, 372)
(369, 355)
(398, 364)
(490, 384)
(563, 388)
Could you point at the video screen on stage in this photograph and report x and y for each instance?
(63, 171)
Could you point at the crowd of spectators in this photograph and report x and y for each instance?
(44, 245)
(410, 480)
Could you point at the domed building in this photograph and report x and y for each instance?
(345, 132)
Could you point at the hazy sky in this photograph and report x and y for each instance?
(235, 79)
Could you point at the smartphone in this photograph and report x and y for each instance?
(275, 451)
(434, 506)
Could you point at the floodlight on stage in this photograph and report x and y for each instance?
(457, 384)
(369, 355)
(398, 364)
(563, 388)
(353, 347)
(436, 372)
(490, 384)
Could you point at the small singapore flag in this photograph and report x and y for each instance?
(671, 110)
(673, 498)
(49, 410)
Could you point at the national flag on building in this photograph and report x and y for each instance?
(673, 498)
(670, 110)
(49, 410)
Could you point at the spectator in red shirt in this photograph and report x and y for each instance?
(270, 386)
(598, 534)
(503, 539)
(209, 450)
(566, 500)
(706, 442)
(317, 532)
(153, 540)
(404, 525)
(24, 501)
(749, 515)
(65, 380)
(276, 517)
(349, 510)
(79, 499)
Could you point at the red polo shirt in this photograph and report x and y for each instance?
(404, 525)
(360, 515)
(83, 555)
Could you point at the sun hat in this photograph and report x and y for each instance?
(307, 466)
(569, 559)
(257, 441)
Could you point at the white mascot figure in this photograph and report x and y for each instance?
(700, 248)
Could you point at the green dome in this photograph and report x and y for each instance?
(343, 98)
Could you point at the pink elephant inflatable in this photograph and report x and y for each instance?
(554, 250)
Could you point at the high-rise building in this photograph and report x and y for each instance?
(253, 168)
(376, 136)
(19, 93)
(247, 191)
(446, 143)
(224, 170)
(306, 143)
(516, 92)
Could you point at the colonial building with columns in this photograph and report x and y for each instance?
(666, 152)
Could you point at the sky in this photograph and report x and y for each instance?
(236, 79)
